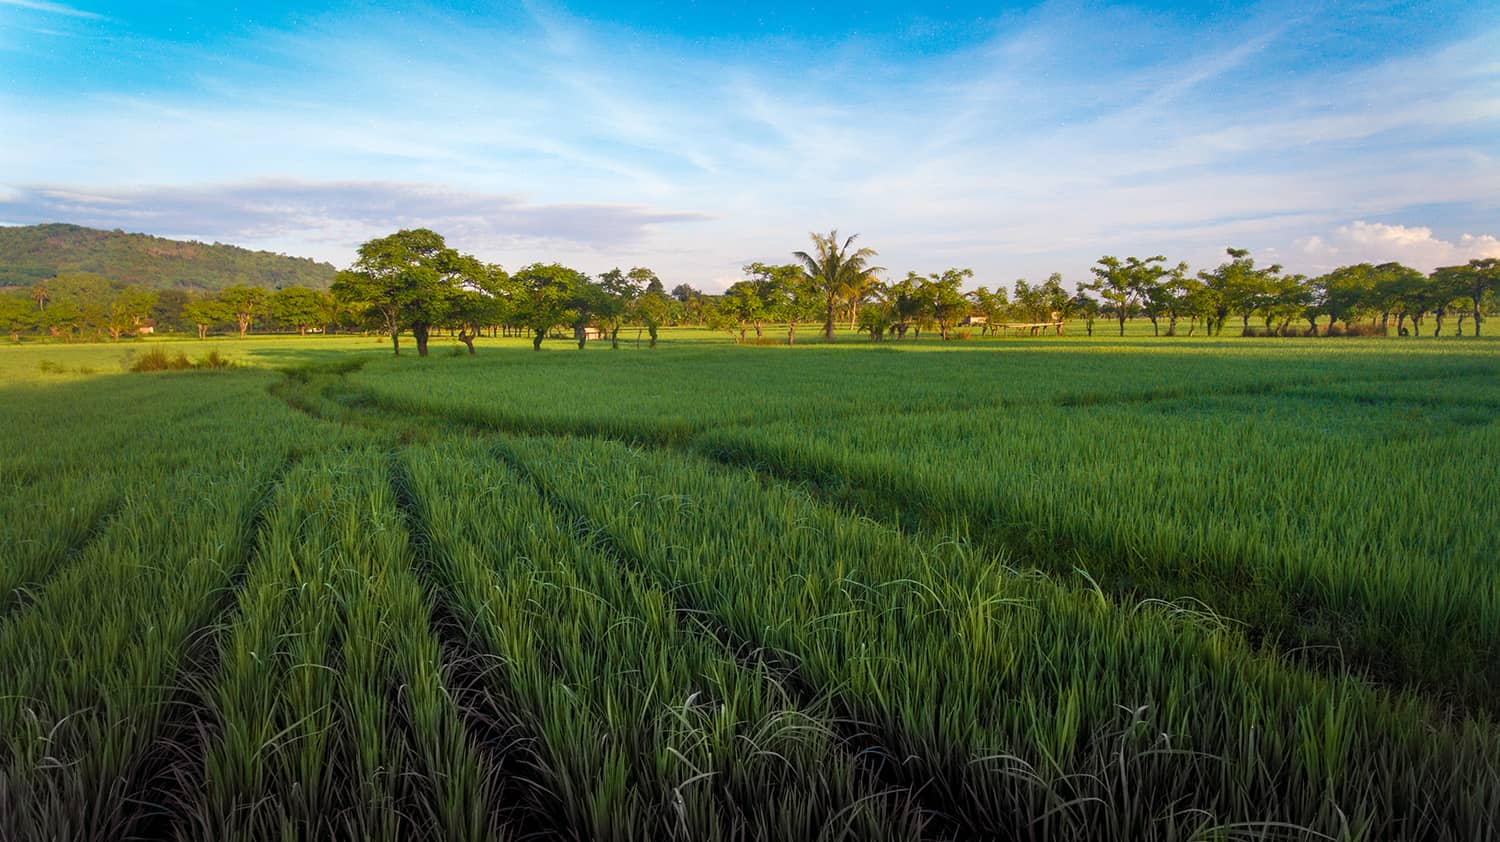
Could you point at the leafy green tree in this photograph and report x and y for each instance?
(591, 304)
(876, 318)
(1087, 308)
(784, 294)
(205, 312)
(479, 302)
(908, 299)
(948, 301)
(645, 280)
(543, 297)
(991, 305)
(1178, 298)
(1475, 283)
(833, 269)
(246, 304)
(1393, 291)
(1056, 299)
(650, 311)
(1445, 293)
(298, 307)
(167, 312)
(1288, 296)
(690, 304)
(1232, 287)
(1153, 293)
(621, 290)
(17, 313)
(128, 309)
(741, 307)
(406, 281)
(1347, 293)
(78, 302)
(63, 318)
(1121, 284)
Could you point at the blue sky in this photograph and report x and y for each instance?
(1016, 139)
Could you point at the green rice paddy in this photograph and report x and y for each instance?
(997, 589)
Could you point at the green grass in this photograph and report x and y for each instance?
(999, 588)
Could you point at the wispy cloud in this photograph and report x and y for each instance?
(1065, 135)
(50, 8)
(341, 214)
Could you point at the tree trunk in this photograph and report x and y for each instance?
(420, 332)
(244, 326)
(468, 338)
(652, 330)
(1122, 322)
(581, 335)
(536, 340)
(614, 338)
(1155, 330)
(202, 332)
(1478, 319)
(396, 342)
(791, 333)
(828, 325)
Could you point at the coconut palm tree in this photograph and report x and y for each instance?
(859, 290)
(834, 270)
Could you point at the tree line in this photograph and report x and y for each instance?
(413, 282)
(83, 305)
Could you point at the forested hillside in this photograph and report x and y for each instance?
(37, 252)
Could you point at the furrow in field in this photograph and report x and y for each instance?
(500, 738)
(636, 723)
(331, 713)
(43, 538)
(167, 773)
(1379, 619)
(1323, 555)
(1032, 710)
(880, 768)
(89, 668)
(1281, 386)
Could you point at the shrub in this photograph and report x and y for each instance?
(157, 359)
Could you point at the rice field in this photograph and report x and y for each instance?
(1002, 589)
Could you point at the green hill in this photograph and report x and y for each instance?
(32, 253)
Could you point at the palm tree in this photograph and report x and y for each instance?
(858, 291)
(834, 270)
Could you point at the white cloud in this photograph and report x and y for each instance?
(1035, 152)
(50, 8)
(334, 217)
(1416, 246)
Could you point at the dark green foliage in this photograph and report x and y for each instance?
(157, 359)
(33, 253)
